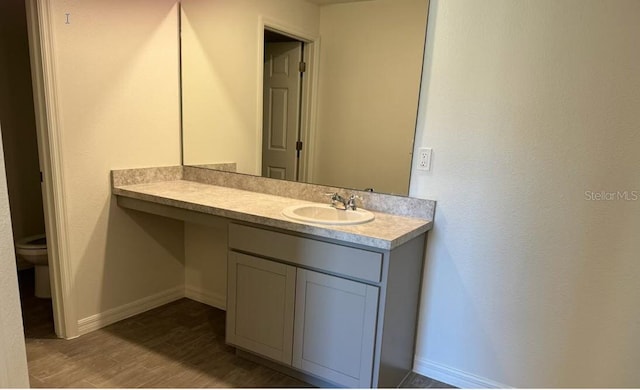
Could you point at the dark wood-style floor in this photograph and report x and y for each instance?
(177, 345)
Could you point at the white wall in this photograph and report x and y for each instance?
(370, 66)
(118, 94)
(527, 105)
(222, 119)
(13, 359)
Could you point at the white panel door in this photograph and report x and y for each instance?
(334, 333)
(281, 109)
(260, 304)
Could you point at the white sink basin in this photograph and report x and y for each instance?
(327, 215)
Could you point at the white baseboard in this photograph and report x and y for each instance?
(453, 376)
(100, 320)
(216, 300)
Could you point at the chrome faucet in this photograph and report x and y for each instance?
(351, 203)
(341, 203)
(337, 201)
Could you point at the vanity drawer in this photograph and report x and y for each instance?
(338, 259)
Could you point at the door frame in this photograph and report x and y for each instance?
(308, 109)
(43, 66)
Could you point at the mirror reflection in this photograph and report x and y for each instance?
(321, 91)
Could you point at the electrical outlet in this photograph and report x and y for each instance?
(424, 159)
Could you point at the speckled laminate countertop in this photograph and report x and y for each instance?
(386, 232)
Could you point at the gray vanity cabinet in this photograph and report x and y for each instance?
(345, 315)
(261, 303)
(334, 329)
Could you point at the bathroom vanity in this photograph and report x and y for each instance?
(330, 304)
(323, 307)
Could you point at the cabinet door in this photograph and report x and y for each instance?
(334, 334)
(260, 306)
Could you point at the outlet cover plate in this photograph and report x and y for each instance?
(424, 159)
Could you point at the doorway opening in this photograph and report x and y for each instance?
(23, 173)
(33, 167)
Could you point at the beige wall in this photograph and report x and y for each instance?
(116, 79)
(220, 75)
(370, 66)
(528, 105)
(18, 120)
(13, 359)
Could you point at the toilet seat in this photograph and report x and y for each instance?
(33, 249)
(36, 244)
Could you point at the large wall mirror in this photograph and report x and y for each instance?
(344, 118)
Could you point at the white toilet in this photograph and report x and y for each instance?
(33, 249)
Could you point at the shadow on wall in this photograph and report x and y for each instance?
(457, 309)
